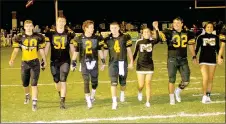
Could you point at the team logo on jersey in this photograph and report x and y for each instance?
(209, 41)
(146, 47)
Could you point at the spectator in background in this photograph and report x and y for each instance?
(14, 32)
(185, 28)
(46, 29)
(37, 29)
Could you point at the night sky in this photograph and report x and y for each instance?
(43, 12)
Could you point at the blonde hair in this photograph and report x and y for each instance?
(28, 22)
(86, 24)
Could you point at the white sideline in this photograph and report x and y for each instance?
(212, 94)
(181, 114)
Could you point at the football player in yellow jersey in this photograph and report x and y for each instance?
(29, 43)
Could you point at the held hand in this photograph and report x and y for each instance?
(102, 67)
(220, 60)
(11, 62)
(43, 65)
(195, 61)
(130, 66)
(73, 65)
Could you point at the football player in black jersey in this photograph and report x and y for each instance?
(29, 43)
(118, 45)
(209, 44)
(223, 40)
(60, 43)
(145, 65)
(177, 41)
(89, 45)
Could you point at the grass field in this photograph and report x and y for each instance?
(190, 110)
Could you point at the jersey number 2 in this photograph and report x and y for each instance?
(88, 47)
(59, 42)
(117, 46)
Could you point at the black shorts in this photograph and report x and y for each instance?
(114, 73)
(30, 70)
(60, 71)
(181, 64)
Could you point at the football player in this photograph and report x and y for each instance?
(177, 41)
(88, 46)
(59, 42)
(118, 45)
(29, 43)
(223, 40)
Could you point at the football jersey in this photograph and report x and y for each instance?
(117, 47)
(60, 45)
(223, 34)
(177, 42)
(29, 45)
(88, 47)
(209, 44)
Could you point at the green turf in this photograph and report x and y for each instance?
(13, 109)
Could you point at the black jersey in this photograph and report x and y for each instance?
(177, 42)
(209, 44)
(88, 47)
(223, 34)
(117, 47)
(60, 45)
(145, 49)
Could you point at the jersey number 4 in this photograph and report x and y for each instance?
(180, 41)
(117, 46)
(59, 42)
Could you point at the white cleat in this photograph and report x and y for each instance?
(208, 99)
(172, 102)
(204, 99)
(114, 105)
(139, 96)
(177, 95)
(122, 98)
(147, 104)
(89, 104)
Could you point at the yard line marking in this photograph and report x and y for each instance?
(181, 114)
(212, 94)
(194, 88)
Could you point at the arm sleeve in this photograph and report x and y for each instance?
(136, 50)
(198, 44)
(217, 45)
(17, 41)
(74, 41)
(191, 38)
(128, 41)
(42, 42)
(100, 42)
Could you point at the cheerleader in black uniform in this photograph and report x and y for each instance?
(209, 44)
(145, 65)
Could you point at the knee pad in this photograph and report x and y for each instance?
(94, 84)
(56, 79)
(34, 82)
(122, 81)
(172, 80)
(63, 77)
(25, 84)
(182, 85)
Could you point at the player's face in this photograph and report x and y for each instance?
(146, 34)
(90, 29)
(114, 29)
(209, 28)
(29, 28)
(177, 24)
(61, 22)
